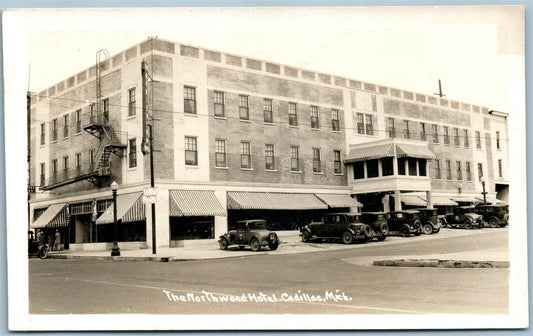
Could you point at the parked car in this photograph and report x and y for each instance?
(378, 223)
(496, 215)
(464, 216)
(251, 233)
(406, 222)
(429, 220)
(36, 248)
(344, 226)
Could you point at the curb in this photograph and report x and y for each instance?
(440, 263)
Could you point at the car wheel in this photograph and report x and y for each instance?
(384, 228)
(369, 233)
(427, 228)
(468, 224)
(405, 231)
(347, 237)
(43, 252)
(254, 244)
(436, 230)
(306, 236)
(223, 243)
(493, 222)
(273, 246)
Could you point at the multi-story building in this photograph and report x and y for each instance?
(236, 137)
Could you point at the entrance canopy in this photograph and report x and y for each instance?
(274, 201)
(54, 216)
(130, 208)
(339, 200)
(195, 203)
(369, 153)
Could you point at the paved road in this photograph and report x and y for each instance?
(321, 282)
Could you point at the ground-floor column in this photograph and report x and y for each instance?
(428, 199)
(221, 222)
(386, 204)
(397, 201)
(162, 220)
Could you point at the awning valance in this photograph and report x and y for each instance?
(273, 201)
(491, 199)
(130, 208)
(54, 216)
(413, 200)
(469, 199)
(195, 203)
(441, 200)
(369, 153)
(339, 200)
(414, 151)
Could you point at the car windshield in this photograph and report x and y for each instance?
(256, 225)
(352, 219)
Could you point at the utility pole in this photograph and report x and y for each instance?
(440, 94)
(152, 185)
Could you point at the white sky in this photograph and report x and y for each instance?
(478, 53)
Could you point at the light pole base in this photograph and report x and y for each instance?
(115, 250)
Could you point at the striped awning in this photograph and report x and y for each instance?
(414, 151)
(339, 200)
(369, 153)
(54, 216)
(413, 200)
(130, 208)
(273, 201)
(195, 203)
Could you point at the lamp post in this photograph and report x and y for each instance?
(115, 251)
(483, 180)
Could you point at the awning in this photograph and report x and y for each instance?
(415, 151)
(441, 200)
(339, 200)
(369, 153)
(54, 216)
(273, 201)
(130, 208)
(195, 203)
(491, 199)
(413, 200)
(464, 199)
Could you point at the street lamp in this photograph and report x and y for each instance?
(115, 250)
(483, 180)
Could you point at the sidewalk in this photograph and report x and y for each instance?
(290, 243)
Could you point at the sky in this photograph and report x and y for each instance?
(477, 52)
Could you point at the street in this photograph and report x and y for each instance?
(336, 281)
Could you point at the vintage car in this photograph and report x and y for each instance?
(429, 220)
(405, 222)
(464, 216)
(36, 248)
(378, 223)
(496, 215)
(344, 226)
(251, 233)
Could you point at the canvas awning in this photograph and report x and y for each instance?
(414, 151)
(413, 200)
(491, 199)
(273, 201)
(130, 208)
(441, 200)
(195, 203)
(54, 216)
(470, 199)
(339, 200)
(369, 153)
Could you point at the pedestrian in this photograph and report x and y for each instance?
(51, 241)
(57, 241)
(40, 237)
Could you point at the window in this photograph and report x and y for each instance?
(335, 124)
(422, 131)
(386, 166)
(497, 140)
(91, 159)
(189, 99)
(401, 166)
(459, 171)
(478, 140)
(456, 137)
(132, 155)
(468, 171)
(243, 108)
(93, 118)
(220, 153)
(293, 115)
(437, 170)
(267, 111)
(406, 132)
(372, 168)
(411, 164)
(337, 167)
(448, 170)
(42, 174)
(43, 134)
(359, 170)
(360, 123)
(446, 135)
(369, 127)
(77, 162)
(78, 121)
(106, 110)
(54, 167)
(500, 169)
(246, 161)
(435, 133)
(131, 103)
(191, 151)
(65, 164)
(219, 104)
(374, 103)
(480, 170)
(467, 138)
(314, 117)
(54, 130)
(316, 160)
(295, 159)
(65, 126)
(270, 163)
(422, 167)
(391, 130)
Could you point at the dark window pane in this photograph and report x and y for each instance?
(358, 170)
(372, 168)
(386, 165)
